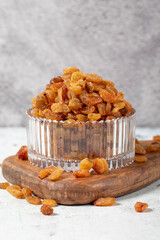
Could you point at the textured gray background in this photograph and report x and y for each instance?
(119, 40)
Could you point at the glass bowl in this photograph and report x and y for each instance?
(65, 144)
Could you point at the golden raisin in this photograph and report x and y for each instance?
(140, 207)
(90, 99)
(154, 147)
(26, 192)
(88, 109)
(100, 165)
(81, 173)
(102, 108)
(106, 96)
(70, 70)
(92, 77)
(59, 108)
(50, 169)
(94, 116)
(108, 201)
(140, 158)
(43, 173)
(15, 191)
(75, 103)
(139, 149)
(4, 185)
(81, 117)
(49, 202)
(76, 76)
(86, 164)
(77, 90)
(55, 174)
(33, 200)
(46, 210)
(23, 153)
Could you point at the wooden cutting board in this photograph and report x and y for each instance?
(71, 191)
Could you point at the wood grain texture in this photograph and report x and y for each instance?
(70, 191)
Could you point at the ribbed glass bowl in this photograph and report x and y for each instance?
(65, 144)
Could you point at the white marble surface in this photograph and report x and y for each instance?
(20, 220)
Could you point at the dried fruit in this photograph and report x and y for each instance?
(49, 202)
(23, 153)
(75, 104)
(106, 96)
(94, 116)
(33, 200)
(108, 201)
(43, 173)
(26, 192)
(140, 158)
(90, 99)
(139, 149)
(140, 207)
(81, 117)
(102, 108)
(70, 70)
(50, 169)
(55, 174)
(86, 164)
(4, 185)
(154, 147)
(156, 138)
(81, 173)
(100, 165)
(88, 109)
(46, 210)
(15, 191)
(92, 77)
(77, 90)
(59, 108)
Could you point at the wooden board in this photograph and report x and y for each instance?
(71, 191)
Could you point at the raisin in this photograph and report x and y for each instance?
(140, 207)
(153, 147)
(49, 202)
(140, 158)
(46, 210)
(23, 153)
(100, 165)
(92, 77)
(56, 80)
(43, 173)
(94, 116)
(70, 70)
(4, 185)
(26, 192)
(102, 108)
(90, 99)
(33, 200)
(86, 164)
(108, 201)
(15, 191)
(106, 96)
(81, 173)
(139, 149)
(55, 174)
(88, 109)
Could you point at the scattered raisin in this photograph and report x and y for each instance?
(108, 201)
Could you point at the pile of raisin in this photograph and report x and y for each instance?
(76, 96)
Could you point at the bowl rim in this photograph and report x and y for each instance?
(29, 115)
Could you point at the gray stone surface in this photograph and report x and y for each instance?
(119, 40)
